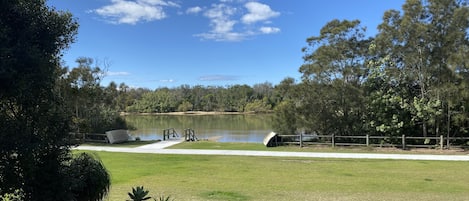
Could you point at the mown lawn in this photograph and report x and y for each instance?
(310, 148)
(195, 177)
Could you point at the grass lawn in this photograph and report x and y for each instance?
(310, 148)
(196, 177)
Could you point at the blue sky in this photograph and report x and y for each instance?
(159, 43)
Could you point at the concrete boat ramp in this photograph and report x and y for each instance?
(160, 148)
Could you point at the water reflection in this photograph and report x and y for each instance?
(227, 128)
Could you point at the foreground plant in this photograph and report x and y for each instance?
(163, 198)
(138, 194)
(90, 179)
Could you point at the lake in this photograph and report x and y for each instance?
(225, 128)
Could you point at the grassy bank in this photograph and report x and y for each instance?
(187, 177)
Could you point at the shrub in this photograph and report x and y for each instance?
(89, 179)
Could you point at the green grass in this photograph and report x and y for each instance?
(129, 144)
(197, 177)
(223, 146)
(310, 148)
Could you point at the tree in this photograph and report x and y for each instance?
(161, 100)
(333, 73)
(82, 92)
(33, 123)
(258, 105)
(94, 108)
(386, 103)
(285, 118)
(426, 44)
(412, 76)
(237, 97)
(185, 106)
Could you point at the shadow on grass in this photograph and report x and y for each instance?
(224, 195)
(129, 144)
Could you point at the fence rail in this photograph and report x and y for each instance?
(372, 141)
(87, 137)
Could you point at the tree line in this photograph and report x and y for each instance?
(411, 78)
(235, 98)
(89, 101)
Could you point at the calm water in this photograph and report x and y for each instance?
(225, 128)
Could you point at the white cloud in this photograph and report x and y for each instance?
(194, 10)
(160, 2)
(167, 81)
(230, 36)
(258, 12)
(132, 12)
(269, 30)
(226, 16)
(220, 16)
(110, 73)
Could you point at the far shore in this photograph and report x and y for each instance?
(194, 113)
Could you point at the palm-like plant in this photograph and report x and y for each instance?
(163, 198)
(138, 194)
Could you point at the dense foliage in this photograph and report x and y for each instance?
(33, 123)
(35, 161)
(411, 78)
(88, 178)
(94, 109)
(236, 98)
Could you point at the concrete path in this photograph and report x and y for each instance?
(159, 148)
(161, 144)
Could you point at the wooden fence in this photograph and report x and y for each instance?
(75, 138)
(403, 141)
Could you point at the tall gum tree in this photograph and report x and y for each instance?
(426, 44)
(333, 72)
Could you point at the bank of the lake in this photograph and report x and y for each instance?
(194, 113)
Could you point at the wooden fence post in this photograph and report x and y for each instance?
(333, 140)
(441, 142)
(403, 141)
(301, 140)
(367, 140)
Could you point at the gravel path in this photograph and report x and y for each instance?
(159, 148)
